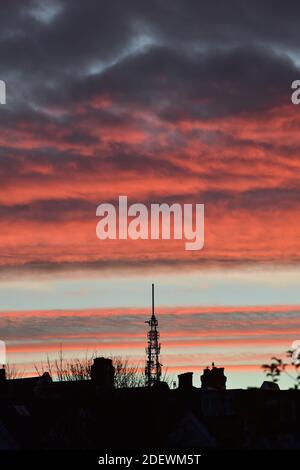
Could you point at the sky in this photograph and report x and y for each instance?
(163, 102)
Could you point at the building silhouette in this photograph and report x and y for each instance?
(39, 413)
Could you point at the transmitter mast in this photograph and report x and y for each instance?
(153, 366)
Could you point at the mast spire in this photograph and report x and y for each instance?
(153, 315)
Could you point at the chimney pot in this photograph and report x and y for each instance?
(103, 372)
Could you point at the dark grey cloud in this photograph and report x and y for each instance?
(201, 85)
(150, 51)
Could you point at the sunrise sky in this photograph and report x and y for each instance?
(163, 102)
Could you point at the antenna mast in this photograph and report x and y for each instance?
(153, 366)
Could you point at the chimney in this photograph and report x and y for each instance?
(2, 375)
(185, 381)
(103, 372)
(213, 379)
(266, 385)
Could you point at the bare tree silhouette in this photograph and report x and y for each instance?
(277, 367)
